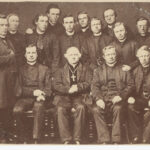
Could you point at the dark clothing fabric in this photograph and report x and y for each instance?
(127, 52)
(32, 77)
(57, 29)
(136, 111)
(65, 42)
(92, 49)
(7, 74)
(65, 101)
(18, 41)
(101, 120)
(102, 89)
(47, 48)
(38, 108)
(142, 40)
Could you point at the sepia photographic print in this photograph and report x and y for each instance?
(74, 74)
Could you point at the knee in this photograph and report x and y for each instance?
(80, 107)
(117, 108)
(96, 110)
(18, 110)
(60, 110)
(131, 107)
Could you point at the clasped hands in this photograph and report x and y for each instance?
(101, 103)
(40, 95)
(73, 89)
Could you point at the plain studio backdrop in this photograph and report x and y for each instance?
(127, 12)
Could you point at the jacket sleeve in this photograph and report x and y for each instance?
(96, 86)
(56, 54)
(58, 84)
(7, 59)
(84, 86)
(126, 92)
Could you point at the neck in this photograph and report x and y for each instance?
(31, 63)
(13, 31)
(73, 65)
(70, 33)
(84, 29)
(110, 26)
(39, 32)
(111, 65)
(52, 24)
(143, 34)
(97, 34)
(145, 66)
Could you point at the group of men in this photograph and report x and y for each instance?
(75, 68)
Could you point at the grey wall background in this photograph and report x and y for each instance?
(127, 12)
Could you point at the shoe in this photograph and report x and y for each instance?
(135, 140)
(66, 142)
(77, 142)
(144, 142)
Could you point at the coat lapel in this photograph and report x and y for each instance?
(66, 72)
(139, 78)
(79, 71)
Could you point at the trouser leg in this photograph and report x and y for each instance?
(38, 110)
(116, 128)
(63, 124)
(79, 119)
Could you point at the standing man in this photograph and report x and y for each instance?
(110, 88)
(7, 79)
(47, 44)
(33, 88)
(143, 36)
(93, 45)
(71, 83)
(16, 38)
(69, 38)
(125, 47)
(53, 12)
(139, 104)
(84, 23)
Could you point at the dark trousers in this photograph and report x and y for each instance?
(138, 119)
(101, 123)
(6, 122)
(78, 117)
(23, 105)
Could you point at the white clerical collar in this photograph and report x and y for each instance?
(97, 34)
(31, 63)
(1, 36)
(39, 32)
(70, 33)
(84, 29)
(146, 66)
(13, 32)
(111, 65)
(110, 26)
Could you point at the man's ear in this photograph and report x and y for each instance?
(65, 55)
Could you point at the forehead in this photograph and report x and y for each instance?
(3, 21)
(43, 18)
(109, 51)
(109, 12)
(142, 22)
(54, 10)
(119, 27)
(143, 52)
(95, 21)
(31, 49)
(13, 17)
(67, 19)
(72, 51)
(82, 15)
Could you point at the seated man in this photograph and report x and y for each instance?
(110, 88)
(32, 89)
(71, 84)
(136, 106)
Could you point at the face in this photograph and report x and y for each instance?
(73, 57)
(42, 23)
(144, 58)
(96, 26)
(120, 32)
(69, 24)
(83, 20)
(13, 22)
(109, 16)
(53, 15)
(3, 27)
(142, 27)
(110, 56)
(31, 54)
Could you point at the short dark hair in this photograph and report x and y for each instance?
(12, 14)
(142, 18)
(2, 16)
(83, 12)
(50, 6)
(68, 15)
(109, 9)
(36, 18)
